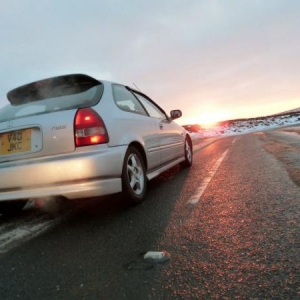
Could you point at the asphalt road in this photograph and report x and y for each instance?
(230, 225)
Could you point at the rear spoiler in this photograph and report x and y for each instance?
(51, 88)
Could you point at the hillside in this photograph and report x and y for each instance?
(241, 126)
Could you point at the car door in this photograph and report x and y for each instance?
(170, 134)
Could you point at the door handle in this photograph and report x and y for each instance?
(161, 126)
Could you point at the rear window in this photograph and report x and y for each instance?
(49, 96)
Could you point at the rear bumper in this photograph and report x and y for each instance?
(70, 191)
(78, 175)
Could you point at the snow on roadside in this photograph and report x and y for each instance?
(243, 126)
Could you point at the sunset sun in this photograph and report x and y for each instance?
(211, 118)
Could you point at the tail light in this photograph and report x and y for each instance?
(89, 128)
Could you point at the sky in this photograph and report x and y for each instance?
(213, 59)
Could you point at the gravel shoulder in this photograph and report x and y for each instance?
(287, 153)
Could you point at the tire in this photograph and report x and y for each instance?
(134, 180)
(12, 207)
(188, 154)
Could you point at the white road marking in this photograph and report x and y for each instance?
(25, 232)
(15, 233)
(234, 141)
(201, 189)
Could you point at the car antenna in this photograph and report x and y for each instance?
(136, 87)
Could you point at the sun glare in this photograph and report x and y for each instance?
(210, 119)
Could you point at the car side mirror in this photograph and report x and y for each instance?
(175, 114)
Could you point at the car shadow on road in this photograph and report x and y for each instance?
(91, 253)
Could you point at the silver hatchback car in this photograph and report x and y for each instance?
(74, 136)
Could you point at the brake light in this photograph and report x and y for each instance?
(89, 128)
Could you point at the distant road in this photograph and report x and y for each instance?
(230, 224)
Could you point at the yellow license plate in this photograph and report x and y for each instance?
(15, 142)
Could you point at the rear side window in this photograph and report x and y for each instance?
(152, 109)
(126, 101)
(45, 97)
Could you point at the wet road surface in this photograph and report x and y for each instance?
(239, 240)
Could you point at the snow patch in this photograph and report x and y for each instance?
(243, 126)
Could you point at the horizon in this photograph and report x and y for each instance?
(211, 125)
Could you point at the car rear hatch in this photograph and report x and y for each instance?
(39, 121)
